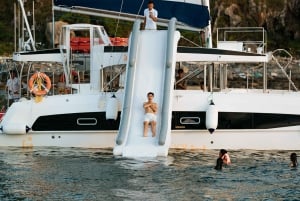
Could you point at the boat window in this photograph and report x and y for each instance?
(81, 65)
(190, 120)
(191, 76)
(113, 77)
(97, 38)
(86, 121)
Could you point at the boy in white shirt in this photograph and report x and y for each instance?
(150, 16)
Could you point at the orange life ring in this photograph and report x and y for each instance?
(36, 84)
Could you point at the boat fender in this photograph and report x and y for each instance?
(211, 121)
(15, 129)
(111, 111)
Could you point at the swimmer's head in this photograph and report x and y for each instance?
(294, 159)
(223, 151)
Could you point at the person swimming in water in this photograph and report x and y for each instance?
(219, 164)
(294, 162)
(222, 159)
(225, 157)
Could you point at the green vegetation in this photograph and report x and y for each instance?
(6, 38)
(73, 18)
(6, 27)
(275, 4)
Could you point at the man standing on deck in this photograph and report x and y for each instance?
(150, 114)
(150, 16)
(13, 87)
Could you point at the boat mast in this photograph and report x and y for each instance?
(15, 27)
(30, 40)
(53, 25)
(208, 34)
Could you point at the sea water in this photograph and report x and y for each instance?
(95, 174)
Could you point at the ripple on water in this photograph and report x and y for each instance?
(95, 174)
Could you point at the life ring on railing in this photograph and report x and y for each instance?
(37, 83)
(62, 77)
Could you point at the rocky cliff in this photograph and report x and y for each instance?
(280, 18)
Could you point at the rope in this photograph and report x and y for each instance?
(121, 7)
(139, 9)
(190, 41)
(116, 30)
(115, 34)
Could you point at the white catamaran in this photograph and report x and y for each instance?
(89, 93)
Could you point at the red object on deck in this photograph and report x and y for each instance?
(82, 44)
(1, 115)
(2, 112)
(118, 41)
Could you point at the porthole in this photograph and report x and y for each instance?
(190, 120)
(87, 121)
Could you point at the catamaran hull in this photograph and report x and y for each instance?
(245, 121)
(270, 139)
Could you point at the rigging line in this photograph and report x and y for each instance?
(118, 18)
(190, 41)
(139, 9)
(115, 34)
(117, 26)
